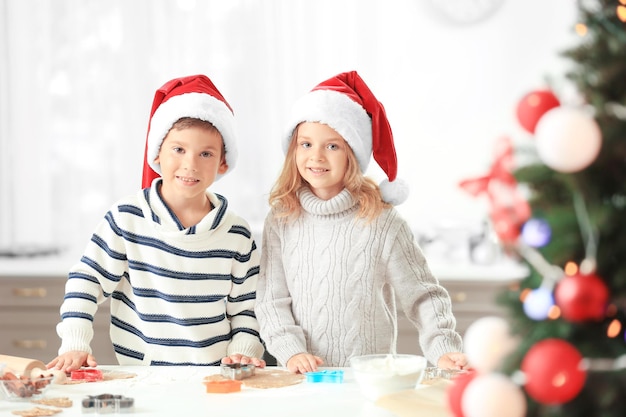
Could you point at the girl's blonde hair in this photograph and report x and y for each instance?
(284, 195)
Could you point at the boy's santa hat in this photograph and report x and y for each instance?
(346, 104)
(192, 96)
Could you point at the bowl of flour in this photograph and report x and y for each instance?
(379, 375)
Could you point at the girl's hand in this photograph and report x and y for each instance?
(244, 360)
(303, 363)
(71, 361)
(453, 360)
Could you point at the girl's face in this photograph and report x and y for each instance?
(191, 159)
(321, 158)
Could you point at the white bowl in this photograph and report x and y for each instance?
(379, 375)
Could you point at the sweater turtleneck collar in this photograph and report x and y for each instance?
(341, 204)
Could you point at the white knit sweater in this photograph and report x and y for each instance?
(328, 280)
(178, 296)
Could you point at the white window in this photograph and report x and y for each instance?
(77, 79)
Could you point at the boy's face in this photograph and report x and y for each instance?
(190, 161)
(321, 158)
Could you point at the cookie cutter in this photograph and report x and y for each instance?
(237, 371)
(107, 404)
(333, 377)
(441, 373)
(87, 375)
(223, 386)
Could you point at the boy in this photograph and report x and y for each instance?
(180, 269)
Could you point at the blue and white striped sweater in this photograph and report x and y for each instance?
(178, 296)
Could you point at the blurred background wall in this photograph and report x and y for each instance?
(77, 78)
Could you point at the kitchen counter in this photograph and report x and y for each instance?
(39, 266)
(505, 269)
(174, 391)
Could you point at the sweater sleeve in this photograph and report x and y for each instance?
(424, 301)
(283, 336)
(240, 305)
(89, 282)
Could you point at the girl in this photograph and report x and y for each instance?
(336, 255)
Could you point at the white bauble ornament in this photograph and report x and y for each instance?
(493, 395)
(487, 342)
(568, 139)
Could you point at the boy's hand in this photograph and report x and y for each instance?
(453, 360)
(244, 360)
(71, 361)
(303, 363)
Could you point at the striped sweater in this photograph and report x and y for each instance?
(329, 283)
(178, 296)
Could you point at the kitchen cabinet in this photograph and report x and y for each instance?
(29, 313)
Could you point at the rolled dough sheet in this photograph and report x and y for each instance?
(266, 378)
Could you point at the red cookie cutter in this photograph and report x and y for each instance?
(87, 375)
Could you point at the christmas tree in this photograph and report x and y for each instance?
(568, 318)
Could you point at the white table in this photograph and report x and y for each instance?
(178, 391)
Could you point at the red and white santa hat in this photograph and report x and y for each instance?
(346, 104)
(193, 96)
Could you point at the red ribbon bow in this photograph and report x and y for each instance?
(509, 211)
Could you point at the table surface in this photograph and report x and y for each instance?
(172, 391)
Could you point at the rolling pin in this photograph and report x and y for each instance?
(22, 366)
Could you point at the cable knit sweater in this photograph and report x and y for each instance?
(179, 296)
(328, 280)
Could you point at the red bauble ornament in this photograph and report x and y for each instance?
(582, 298)
(553, 372)
(455, 392)
(534, 105)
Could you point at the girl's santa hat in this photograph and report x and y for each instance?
(346, 104)
(193, 96)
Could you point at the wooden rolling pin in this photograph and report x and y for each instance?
(22, 366)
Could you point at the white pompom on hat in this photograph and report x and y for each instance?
(192, 96)
(346, 104)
